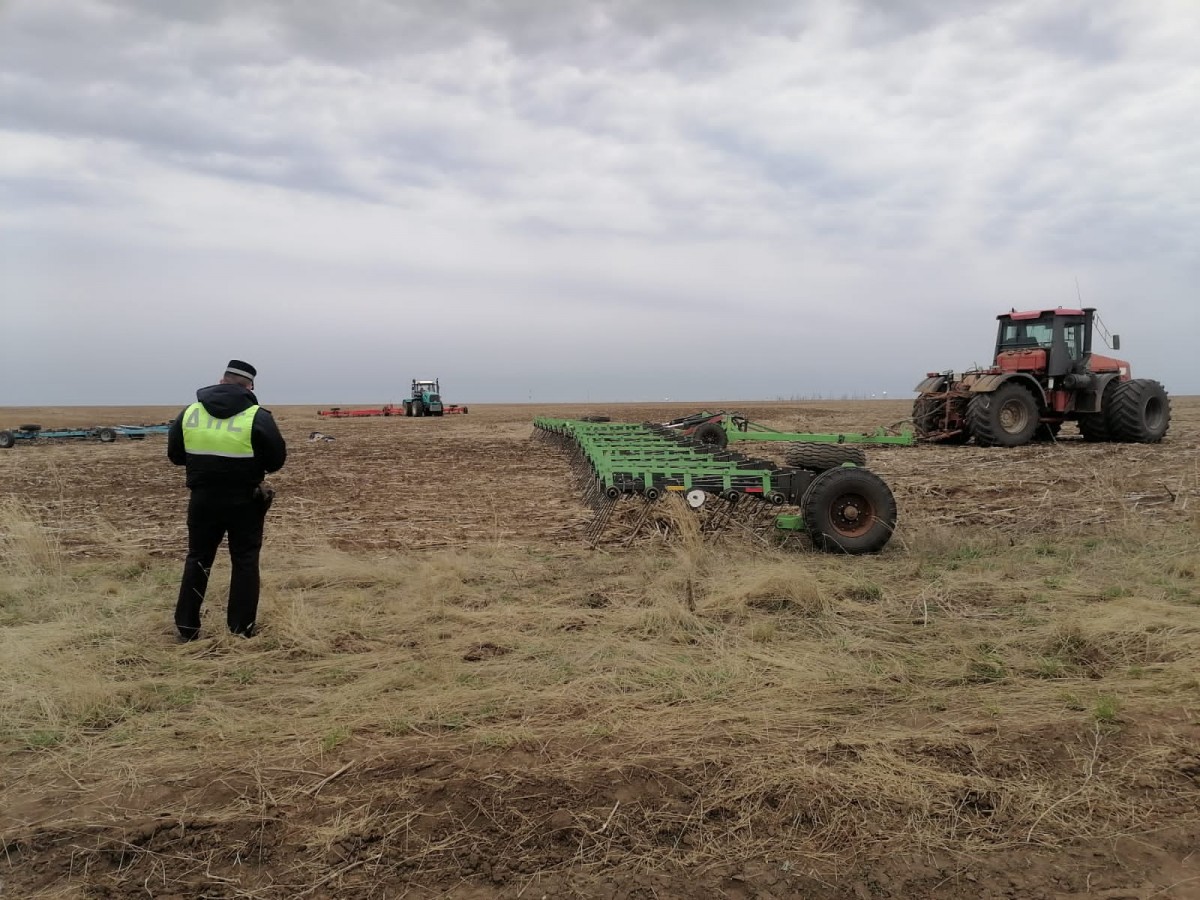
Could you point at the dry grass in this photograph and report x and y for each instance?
(512, 719)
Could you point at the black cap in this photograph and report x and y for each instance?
(241, 367)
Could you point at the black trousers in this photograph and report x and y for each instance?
(211, 518)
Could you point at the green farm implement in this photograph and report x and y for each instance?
(842, 506)
(723, 428)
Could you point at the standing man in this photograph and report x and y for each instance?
(228, 443)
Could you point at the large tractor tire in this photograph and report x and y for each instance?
(849, 510)
(6, 440)
(819, 457)
(928, 416)
(418, 408)
(1138, 412)
(408, 410)
(711, 434)
(1006, 417)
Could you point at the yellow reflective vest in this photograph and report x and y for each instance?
(204, 435)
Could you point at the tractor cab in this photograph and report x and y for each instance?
(1044, 343)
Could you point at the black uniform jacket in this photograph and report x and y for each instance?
(235, 478)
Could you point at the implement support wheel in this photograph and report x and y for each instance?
(106, 435)
(6, 440)
(711, 434)
(849, 510)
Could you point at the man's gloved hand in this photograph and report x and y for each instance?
(264, 495)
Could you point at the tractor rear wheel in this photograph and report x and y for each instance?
(6, 440)
(849, 510)
(1138, 412)
(711, 434)
(1006, 417)
(819, 457)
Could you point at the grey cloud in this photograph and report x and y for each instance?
(568, 184)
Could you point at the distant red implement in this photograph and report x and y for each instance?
(336, 412)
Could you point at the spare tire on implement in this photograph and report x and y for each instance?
(29, 428)
(819, 457)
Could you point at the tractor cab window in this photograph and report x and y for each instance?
(1073, 334)
(1027, 335)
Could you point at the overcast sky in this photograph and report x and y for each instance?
(554, 201)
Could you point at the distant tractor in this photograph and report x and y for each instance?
(426, 399)
(1044, 373)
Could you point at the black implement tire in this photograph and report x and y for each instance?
(106, 435)
(711, 434)
(465, 411)
(29, 428)
(849, 510)
(819, 457)
(1006, 417)
(591, 418)
(1138, 412)
(6, 440)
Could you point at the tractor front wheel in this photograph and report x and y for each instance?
(711, 434)
(849, 510)
(1006, 417)
(819, 457)
(1138, 412)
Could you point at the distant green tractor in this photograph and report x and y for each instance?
(426, 399)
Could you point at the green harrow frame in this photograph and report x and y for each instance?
(843, 508)
(723, 428)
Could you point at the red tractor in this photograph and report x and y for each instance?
(1044, 374)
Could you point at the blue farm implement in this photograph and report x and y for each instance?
(106, 434)
(841, 505)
